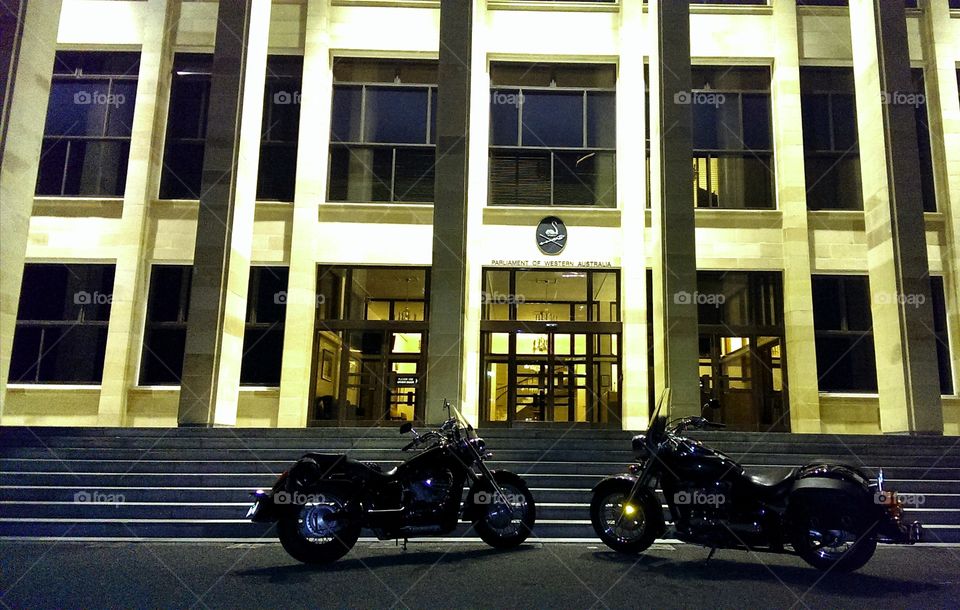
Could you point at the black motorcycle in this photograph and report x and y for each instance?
(831, 515)
(323, 501)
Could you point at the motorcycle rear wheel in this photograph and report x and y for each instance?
(309, 539)
(832, 542)
(505, 527)
(623, 532)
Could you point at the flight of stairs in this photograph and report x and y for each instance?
(188, 483)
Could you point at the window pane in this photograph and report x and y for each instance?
(601, 119)
(833, 182)
(414, 175)
(97, 168)
(504, 115)
(345, 123)
(268, 291)
(756, 121)
(846, 364)
(53, 158)
(73, 354)
(584, 178)
(262, 356)
(816, 122)
(123, 96)
(844, 108)
(277, 176)
(77, 108)
(552, 119)
(162, 361)
(520, 178)
(396, 115)
(169, 293)
(359, 173)
(182, 170)
(187, 116)
(942, 336)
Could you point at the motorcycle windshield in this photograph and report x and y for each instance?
(658, 421)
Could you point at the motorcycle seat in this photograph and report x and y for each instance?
(774, 481)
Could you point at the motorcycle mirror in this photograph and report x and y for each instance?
(405, 427)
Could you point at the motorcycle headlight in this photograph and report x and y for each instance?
(640, 448)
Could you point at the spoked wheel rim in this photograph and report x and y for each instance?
(315, 522)
(507, 519)
(831, 541)
(619, 522)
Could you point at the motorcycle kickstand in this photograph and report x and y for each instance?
(713, 550)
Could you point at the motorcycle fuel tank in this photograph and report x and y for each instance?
(701, 465)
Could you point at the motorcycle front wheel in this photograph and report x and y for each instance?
(832, 541)
(505, 525)
(312, 535)
(625, 527)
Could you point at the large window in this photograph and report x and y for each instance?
(941, 333)
(844, 333)
(742, 356)
(830, 145)
(277, 174)
(86, 140)
(166, 330)
(186, 126)
(383, 131)
(732, 142)
(551, 346)
(61, 332)
(263, 335)
(553, 135)
(370, 355)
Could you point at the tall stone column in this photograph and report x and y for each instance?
(943, 104)
(448, 272)
(893, 212)
(221, 263)
(675, 328)
(316, 97)
(476, 201)
(28, 41)
(146, 145)
(801, 351)
(632, 194)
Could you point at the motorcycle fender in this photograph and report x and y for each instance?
(632, 479)
(473, 510)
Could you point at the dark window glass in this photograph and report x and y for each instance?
(277, 173)
(830, 146)
(263, 335)
(844, 335)
(552, 119)
(941, 334)
(166, 329)
(61, 332)
(86, 142)
(186, 126)
(553, 135)
(732, 141)
(396, 115)
(927, 190)
(382, 131)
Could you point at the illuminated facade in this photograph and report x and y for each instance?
(327, 305)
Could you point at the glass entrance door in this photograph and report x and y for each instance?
(745, 373)
(550, 377)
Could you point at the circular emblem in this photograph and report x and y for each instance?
(551, 235)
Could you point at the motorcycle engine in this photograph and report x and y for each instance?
(427, 491)
(703, 508)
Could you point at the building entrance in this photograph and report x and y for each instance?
(550, 348)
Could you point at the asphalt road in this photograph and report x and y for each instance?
(459, 575)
